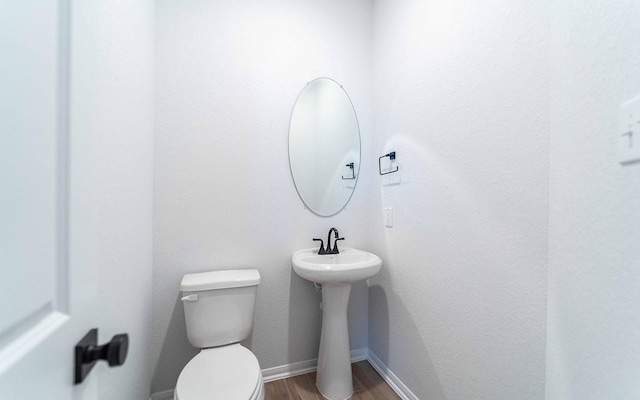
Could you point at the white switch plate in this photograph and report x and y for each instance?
(629, 131)
(388, 217)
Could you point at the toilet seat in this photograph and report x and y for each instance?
(226, 373)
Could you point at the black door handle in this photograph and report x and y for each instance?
(88, 353)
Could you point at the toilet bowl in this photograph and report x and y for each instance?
(228, 372)
(219, 308)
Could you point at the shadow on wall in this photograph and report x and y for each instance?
(304, 338)
(417, 370)
(173, 358)
(304, 305)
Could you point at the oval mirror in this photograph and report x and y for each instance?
(324, 147)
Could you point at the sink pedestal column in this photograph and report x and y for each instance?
(334, 361)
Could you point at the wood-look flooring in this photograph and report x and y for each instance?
(367, 385)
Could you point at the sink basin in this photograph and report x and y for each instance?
(350, 265)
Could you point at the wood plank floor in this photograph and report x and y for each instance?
(367, 385)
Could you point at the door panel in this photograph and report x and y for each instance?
(33, 219)
(76, 123)
(43, 307)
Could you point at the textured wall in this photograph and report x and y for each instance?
(121, 131)
(461, 94)
(227, 76)
(594, 228)
(504, 117)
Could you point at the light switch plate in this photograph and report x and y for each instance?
(629, 131)
(388, 217)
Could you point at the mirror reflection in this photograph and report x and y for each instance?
(324, 146)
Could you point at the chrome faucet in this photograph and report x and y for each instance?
(328, 250)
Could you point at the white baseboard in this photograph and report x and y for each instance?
(288, 370)
(393, 381)
(281, 372)
(164, 395)
(359, 355)
(303, 367)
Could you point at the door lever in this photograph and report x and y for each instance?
(88, 353)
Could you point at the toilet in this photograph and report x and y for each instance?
(218, 312)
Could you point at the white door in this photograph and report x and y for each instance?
(76, 144)
(46, 295)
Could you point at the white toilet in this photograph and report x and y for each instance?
(218, 311)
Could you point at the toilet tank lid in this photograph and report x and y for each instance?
(219, 280)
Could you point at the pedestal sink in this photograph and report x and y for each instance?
(336, 273)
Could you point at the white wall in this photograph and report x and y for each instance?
(227, 76)
(112, 122)
(461, 94)
(594, 226)
(503, 115)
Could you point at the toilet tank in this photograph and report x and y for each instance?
(219, 306)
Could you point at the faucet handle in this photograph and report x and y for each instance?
(335, 245)
(321, 250)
